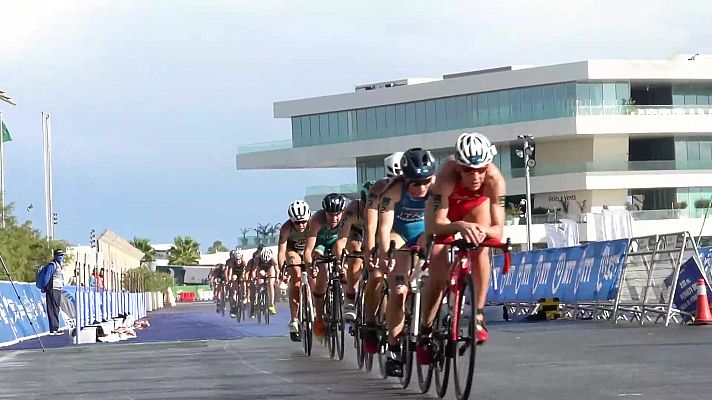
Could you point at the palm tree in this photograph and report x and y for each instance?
(245, 231)
(185, 251)
(274, 228)
(261, 230)
(216, 247)
(143, 244)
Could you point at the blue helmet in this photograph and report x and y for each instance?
(418, 163)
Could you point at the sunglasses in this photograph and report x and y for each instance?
(420, 182)
(472, 171)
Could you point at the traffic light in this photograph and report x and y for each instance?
(54, 219)
(92, 238)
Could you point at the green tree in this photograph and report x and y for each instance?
(143, 244)
(142, 278)
(216, 247)
(24, 249)
(185, 251)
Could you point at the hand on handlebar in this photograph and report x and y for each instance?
(471, 232)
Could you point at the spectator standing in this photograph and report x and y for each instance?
(54, 292)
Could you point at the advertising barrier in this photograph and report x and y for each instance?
(686, 289)
(95, 306)
(586, 273)
(14, 323)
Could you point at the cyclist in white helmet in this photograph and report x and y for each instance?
(467, 199)
(235, 274)
(292, 240)
(267, 267)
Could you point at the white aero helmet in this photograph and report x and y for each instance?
(392, 164)
(298, 211)
(474, 150)
(266, 255)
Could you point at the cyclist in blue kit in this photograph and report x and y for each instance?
(402, 219)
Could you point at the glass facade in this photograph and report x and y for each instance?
(460, 112)
(692, 95)
(372, 169)
(693, 152)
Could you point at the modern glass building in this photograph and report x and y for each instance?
(635, 134)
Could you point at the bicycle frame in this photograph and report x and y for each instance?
(462, 266)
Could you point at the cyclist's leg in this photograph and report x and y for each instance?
(295, 282)
(271, 282)
(318, 287)
(397, 282)
(481, 268)
(436, 283)
(372, 296)
(353, 273)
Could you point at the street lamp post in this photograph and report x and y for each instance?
(527, 152)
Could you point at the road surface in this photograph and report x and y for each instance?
(190, 352)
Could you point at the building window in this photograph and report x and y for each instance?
(466, 111)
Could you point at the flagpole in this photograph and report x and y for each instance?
(46, 178)
(2, 172)
(50, 215)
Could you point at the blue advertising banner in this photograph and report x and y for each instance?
(15, 325)
(685, 298)
(14, 322)
(584, 273)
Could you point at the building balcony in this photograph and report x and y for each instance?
(544, 169)
(646, 222)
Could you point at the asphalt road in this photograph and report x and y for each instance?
(192, 353)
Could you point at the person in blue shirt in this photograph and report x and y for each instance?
(53, 292)
(402, 219)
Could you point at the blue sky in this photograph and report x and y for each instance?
(149, 100)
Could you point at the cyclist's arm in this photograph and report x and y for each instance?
(282, 245)
(436, 220)
(314, 227)
(369, 240)
(495, 189)
(386, 213)
(345, 229)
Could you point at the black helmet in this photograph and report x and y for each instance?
(58, 252)
(418, 163)
(333, 203)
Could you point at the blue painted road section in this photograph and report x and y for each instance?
(187, 321)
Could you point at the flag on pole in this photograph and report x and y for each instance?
(6, 134)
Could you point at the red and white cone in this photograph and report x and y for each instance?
(703, 317)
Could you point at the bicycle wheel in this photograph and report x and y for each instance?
(306, 320)
(265, 308)
(238, 307)
(260, 306)
(382, 338)
(356, 331)
(441, 342)
(339, 323)
(465, 349)
(329, 312)
(407, 342)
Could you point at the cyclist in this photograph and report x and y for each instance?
(235, 270)
(401, 219)
(393, 169)
(218, 274)
(267, 268)
(351, 238)
(466, 199)
(290, 250)
(250, 270)
(323, 232)
(374, 285)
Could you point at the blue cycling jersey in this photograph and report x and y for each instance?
(409, 216)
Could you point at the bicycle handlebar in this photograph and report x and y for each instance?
(506, 248)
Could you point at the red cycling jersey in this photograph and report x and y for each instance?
(462, 200)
